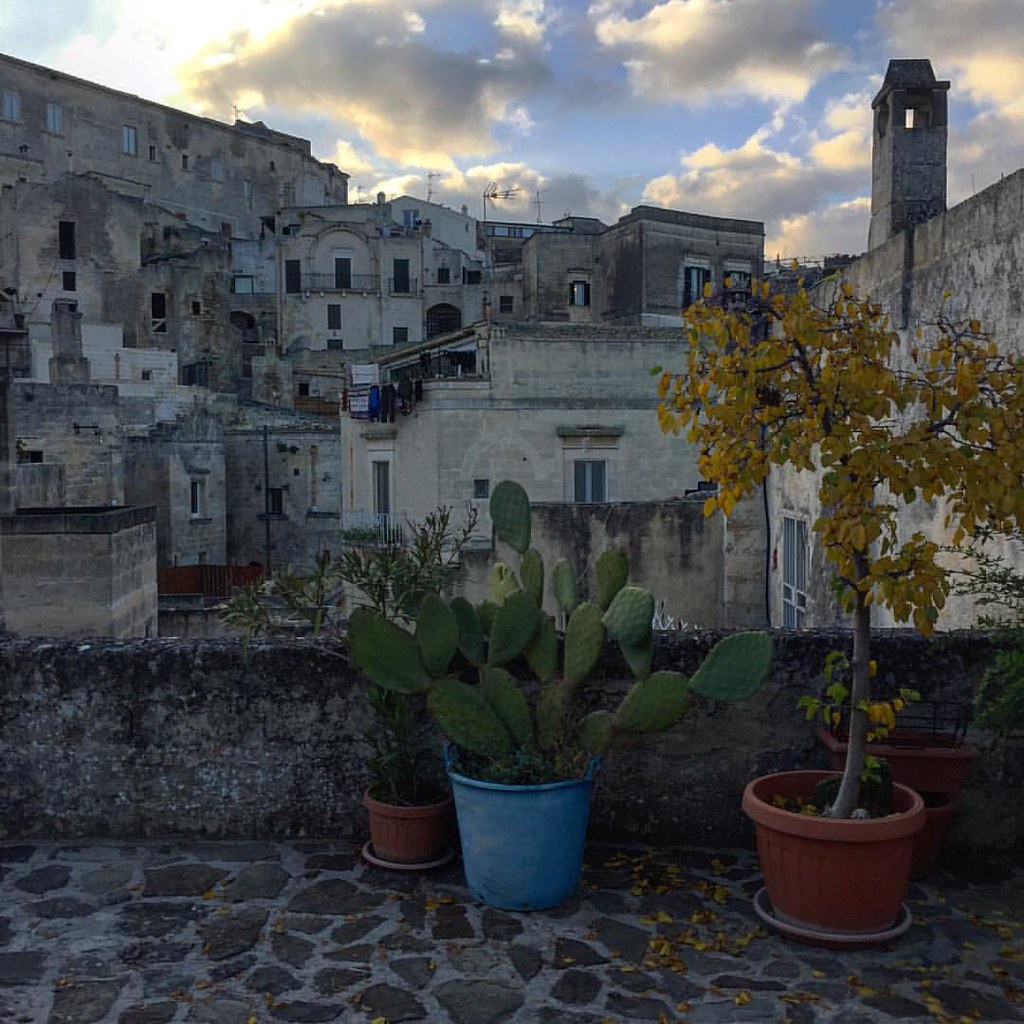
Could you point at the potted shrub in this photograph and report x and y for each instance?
(882, 424)
(408, 800)
(521, 767)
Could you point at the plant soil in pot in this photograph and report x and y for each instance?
(833, 881)
(408, 837)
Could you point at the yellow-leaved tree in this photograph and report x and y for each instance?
(832, 390)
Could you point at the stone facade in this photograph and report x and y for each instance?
(963, 263)
(204, 739)
(568, 412)
(79, 572)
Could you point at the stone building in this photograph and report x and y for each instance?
(923, 259)
(569, 412)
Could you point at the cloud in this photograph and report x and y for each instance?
(21, 24)
(526, 20)
(977, 43)
(850, 148)
(835, 228)
(367, 65)
(697, 51)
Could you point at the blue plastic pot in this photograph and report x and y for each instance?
(522, 846)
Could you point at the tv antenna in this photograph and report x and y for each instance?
(536, 201)
(492, 192)
(431, 178)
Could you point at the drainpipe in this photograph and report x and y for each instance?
(266, 500)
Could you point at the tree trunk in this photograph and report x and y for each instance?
(860, 691)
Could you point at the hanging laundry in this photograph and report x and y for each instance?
(374, 404)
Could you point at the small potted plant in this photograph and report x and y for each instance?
(880, 424)
(408, 800)
(521, 766)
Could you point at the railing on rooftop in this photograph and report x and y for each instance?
(373, 529)
(334, 283)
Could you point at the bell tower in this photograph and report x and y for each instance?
(908, 153)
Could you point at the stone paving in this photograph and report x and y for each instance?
(249, 932)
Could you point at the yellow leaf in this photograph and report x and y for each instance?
(742, 998)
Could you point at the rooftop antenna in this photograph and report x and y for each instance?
(432, 176)
(536, 201)
(359, 193)
(492, 192)
(235, 110)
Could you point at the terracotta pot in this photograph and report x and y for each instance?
(840, 877)
(916, 759)
(938, 809)
(409, 835)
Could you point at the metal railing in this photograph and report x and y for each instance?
(373, 529)
(403, 286)
(333, 283)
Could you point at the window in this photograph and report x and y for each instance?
(216, 170)
(54, 118)
(381, 488)
(400, 280)
(146, 375)
(197, 308)
(184, 161)
(410, 217)
(333, 316)
(472, 276)
(158, 312)
(399, 335)
(444, 275)
(66, 239)
(275, 501)
(152, 153)
(129, 140)
(694, 279)
(590, 480)
(579, 293)
(197, 498)
(68, 281)
(12, 106)
(481, 488)
(293, 276)
(343, 272)
(303, 389)
(243, 284)
(794, 571)
(335, 344)
(29, 456)
(247, 193)
(504, 303)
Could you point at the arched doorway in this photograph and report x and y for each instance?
(443, 318)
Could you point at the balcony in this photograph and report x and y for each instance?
(372, 529)
(403, 286)
(334, 283)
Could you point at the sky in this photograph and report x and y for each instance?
(757, 109)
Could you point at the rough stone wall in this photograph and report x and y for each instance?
(92, 456)
(674, 551)
(966, 263)
(201, 739)
(310, 484)
(92, 125)
(80, 573)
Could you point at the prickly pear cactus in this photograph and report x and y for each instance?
(499, 720)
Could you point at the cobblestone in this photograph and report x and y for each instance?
(256, 933)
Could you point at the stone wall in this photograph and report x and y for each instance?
(210, 738)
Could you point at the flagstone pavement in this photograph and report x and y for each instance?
(254, 932)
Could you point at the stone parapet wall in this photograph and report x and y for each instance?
(212, 738)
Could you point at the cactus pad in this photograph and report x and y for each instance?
(437, 634)
(542, 652)
(509, 703)
(639, 657)
(735, 668)
(531, 573)
(628, 618)
(563, 582)
(549, 715)
(486, 611)
(654, 703)
(510, 514)
(503, 581)
(595, 732)
(611, 571)
(467, 718)
(514, 625)
(584, 642)
(471, 633)
(386, 653)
